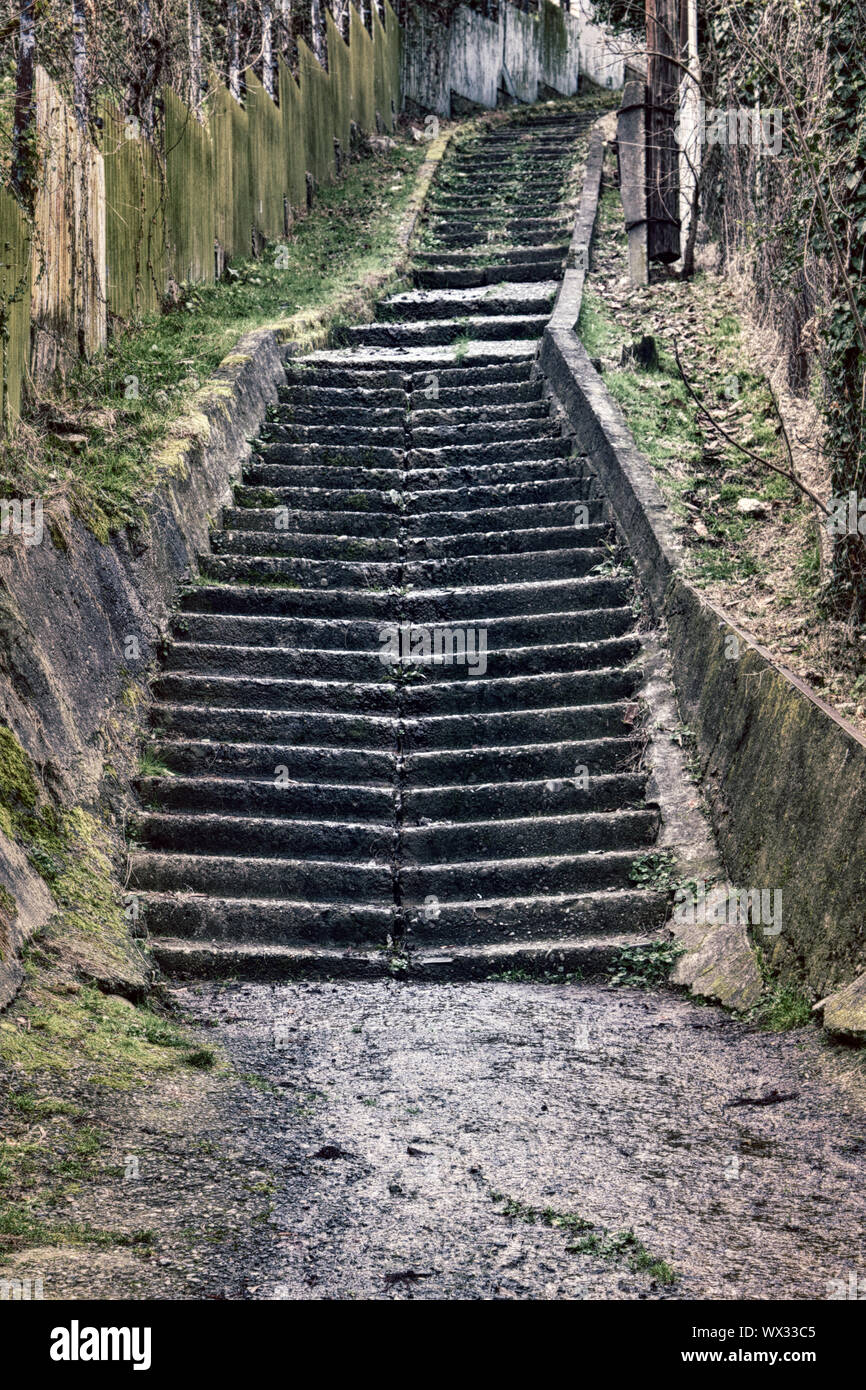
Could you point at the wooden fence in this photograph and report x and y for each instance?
(114, 227)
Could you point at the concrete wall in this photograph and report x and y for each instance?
(602, 57)
(520, 55)
(474, 57)
(783, 775)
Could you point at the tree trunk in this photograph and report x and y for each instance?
(268, 48)
(193, 19)
(79, 65)
(691, 156)
(234, 36)
(146, 94)
(663, 81)
(317, 19)
(284, 27)
(24, 119)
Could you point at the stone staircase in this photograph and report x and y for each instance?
(332, 799)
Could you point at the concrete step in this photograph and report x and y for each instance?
(517, 298)
(231, 875)
(588, 629)
(423, 332)
(317, 789)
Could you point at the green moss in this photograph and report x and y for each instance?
(331, 264)
(588, 1239)
(19, 789)
(19, 1226)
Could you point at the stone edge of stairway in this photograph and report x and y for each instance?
(718, 962)
(732, 723)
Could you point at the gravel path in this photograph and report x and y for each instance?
(623, 1108)
(457, 1141)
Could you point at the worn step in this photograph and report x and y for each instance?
(433, 415)
(508, 763)
(552, 796)
(424, 305)
(423, 332)
(333, 436)
(494, 694)
(265, 961)
(562, 722)
(258, 725)
(276, 693)
(352, 480)
(549, 518)
(300, 545)
(514, 541)
(505, 600)
(192, 917)
(548, 267)
(441, 434)
(211, 833)
(278, 796)
(520, 877)
(327, 522)
(282, 600)
(368, 454)
(201, 758)
(588, 630)
(430, 651)
(301, 572)
(232, 875)
(564, 917)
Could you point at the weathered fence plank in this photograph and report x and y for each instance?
(15, 279)
(115, 227)
(68, 300)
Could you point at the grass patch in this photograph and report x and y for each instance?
(126, 398)
(19, 1228)
(701, 474)
(588, 1239)
(783, 1007)
(73, 1013)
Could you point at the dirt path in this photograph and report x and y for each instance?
(497, 1140)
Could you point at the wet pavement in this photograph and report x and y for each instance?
(532, 1141)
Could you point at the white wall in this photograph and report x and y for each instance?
(470, 57)
(475, 56)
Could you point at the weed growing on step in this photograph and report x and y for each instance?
(461, 348)
(589, 1239)
(149, 765)
(542, 977)
(654, 870)
(645, 967)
